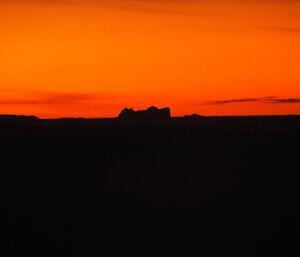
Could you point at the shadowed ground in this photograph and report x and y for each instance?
(107, 187)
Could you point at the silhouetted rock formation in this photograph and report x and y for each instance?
(194, 116)
(18, 118)
(151, 114)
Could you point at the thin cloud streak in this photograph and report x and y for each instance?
(53, 99)
(192, 8)
(284, 101)
(230, 101)
(285, 29)
(266, 100)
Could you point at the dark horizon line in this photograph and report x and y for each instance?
(195, 116)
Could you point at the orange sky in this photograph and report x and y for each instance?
(91, 58)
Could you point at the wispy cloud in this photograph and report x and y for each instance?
(39, 2)
(283, 100)
(266, 100)
(52, 99)
(290, 29)
(230, 101)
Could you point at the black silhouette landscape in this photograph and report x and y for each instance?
(113, 187)
(151, 114)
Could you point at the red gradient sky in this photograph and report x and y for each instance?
(92, 58)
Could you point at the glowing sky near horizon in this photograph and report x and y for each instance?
(92, 58)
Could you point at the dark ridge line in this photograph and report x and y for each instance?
(186, 117)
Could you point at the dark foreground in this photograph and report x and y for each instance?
(104, 188)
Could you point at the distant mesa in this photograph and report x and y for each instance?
(151, 114)
(194, 116)
(18, 118)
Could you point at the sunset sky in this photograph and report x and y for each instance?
(88, 58)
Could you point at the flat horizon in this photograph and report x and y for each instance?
(90, 58)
